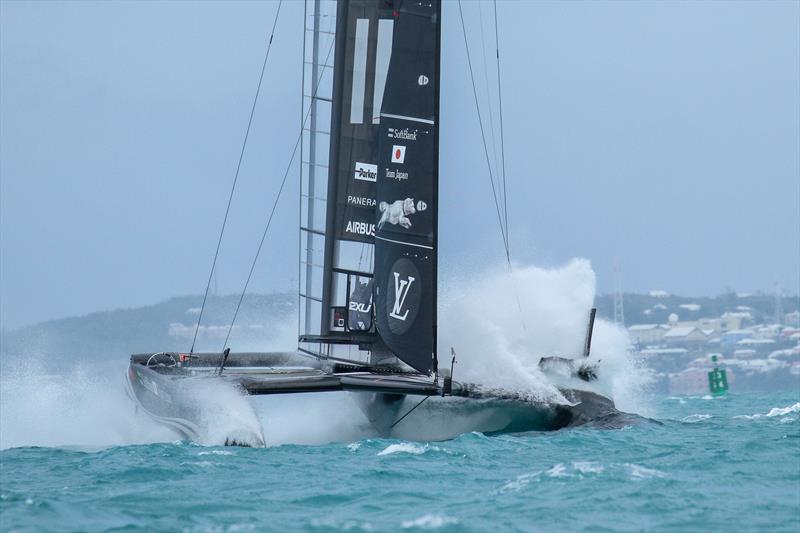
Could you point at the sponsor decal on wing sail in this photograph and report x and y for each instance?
(356, 228)
(398, 154)
(363, 54)
(406, 188)
(406, 134)
(366, 172)
(360, 305)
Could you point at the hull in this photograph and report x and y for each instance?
(205, 405)
(153, 396)
(186, 405)
(443, 418)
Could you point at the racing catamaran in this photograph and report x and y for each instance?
(368, 244)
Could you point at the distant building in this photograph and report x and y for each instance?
(685, 335)
(771, 331)
(730, 338)
(705, 324)
(792, 319)
(647, 334)
(746, 353)
(671, 353)
(733, 321)
(694, 380)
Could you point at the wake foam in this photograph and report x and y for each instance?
(501, 325)
(429, 521)
(87, 406)
(406, 447)
(225, 415)
(499, 345)
(311, 418)
(695, 418)
(84, 406)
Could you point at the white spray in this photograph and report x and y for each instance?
(501, 325)
(478, 315)
(84, 406)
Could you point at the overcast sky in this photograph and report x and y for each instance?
(660, 136)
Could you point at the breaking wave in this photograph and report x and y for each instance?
(695, 418)
(582, 471)
(501, 324)
(407, 447)
(780, 411)
(775, 411)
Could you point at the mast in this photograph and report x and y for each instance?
(318, 39)
(337, 320)
(377, 44)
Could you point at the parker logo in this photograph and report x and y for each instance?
(366, 172)
(398, 154)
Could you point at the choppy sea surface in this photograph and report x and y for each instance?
(725, 464)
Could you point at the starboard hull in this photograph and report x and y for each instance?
(443, 418)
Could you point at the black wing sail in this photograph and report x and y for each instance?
(337, 252)
(364, 47)
(407, 188)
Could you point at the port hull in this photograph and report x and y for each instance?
(167, 390)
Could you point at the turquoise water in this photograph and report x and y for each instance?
(729, 464)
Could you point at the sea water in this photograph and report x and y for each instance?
(707, 464)
(76, 456)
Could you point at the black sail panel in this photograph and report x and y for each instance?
(364, 47)
(407, 188)
(364, 36)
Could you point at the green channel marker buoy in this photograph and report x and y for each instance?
(717, 379)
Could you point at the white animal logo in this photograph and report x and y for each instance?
(401, 288)
(398, 211)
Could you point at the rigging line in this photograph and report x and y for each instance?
(277, 199)
(516, 294)
(502, 140)
(488, 97)
(236, 175)
(409, 412)
(361, 256)
(503, 161)
(483, 135)
(260, 245)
